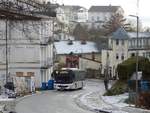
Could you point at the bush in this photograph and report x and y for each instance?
(115, 91)
(119, 87)
(146, 70)
(128, 67)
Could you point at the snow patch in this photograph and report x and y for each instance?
(110, 104)
(92, 102)
(117, 100)
(5, 98)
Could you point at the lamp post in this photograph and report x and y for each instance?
(137, 63)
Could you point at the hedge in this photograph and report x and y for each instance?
(118, 88)
(128, 67)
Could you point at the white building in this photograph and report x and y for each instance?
(67, 17)
(61, 16)
(122, 45)
(98, 15)
(82, 14)
(30, 52)
(73, 13)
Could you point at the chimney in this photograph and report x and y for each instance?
(70, 42)
(83, 42)
(93, 55)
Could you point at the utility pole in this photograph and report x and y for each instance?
(137, 58)
(137, 52)
(108, 66)
(137, 63)
(106, 74)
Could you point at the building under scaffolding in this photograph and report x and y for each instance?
(24, 10)
(26, 50)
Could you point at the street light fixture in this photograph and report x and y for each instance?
(137, 34)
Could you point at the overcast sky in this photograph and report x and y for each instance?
(129, 6)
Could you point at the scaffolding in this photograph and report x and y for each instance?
(23, 9)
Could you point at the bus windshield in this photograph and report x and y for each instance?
(63, 77)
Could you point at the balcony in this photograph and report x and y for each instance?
(140, 47)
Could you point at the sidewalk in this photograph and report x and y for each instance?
(93, 101)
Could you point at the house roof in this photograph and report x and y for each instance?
(141, 34)
(120, 34)
(103, 8)
(62, 47)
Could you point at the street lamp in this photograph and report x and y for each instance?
(137, 34)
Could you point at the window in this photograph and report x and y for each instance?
(129, 43)
(144, 54)
(111, 44)
(92, 18)
(81, 11)
(98, 18)
(111, 41)
(107, 55)
(140, 43)
(122, 57)
(117, 56)
(75, 17)
(149, 54)
(122, 42)
(134, 43)
(132, 54)
(117, 42)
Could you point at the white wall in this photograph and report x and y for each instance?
(24, 47)
(115, 50)
(99, 16)
(82, 15)
(61, 16)
(88, 64)
(69, 15)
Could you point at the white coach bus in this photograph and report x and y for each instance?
(68, 78)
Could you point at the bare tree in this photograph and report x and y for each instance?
(116, 21)
(80, 32)
(146, 29)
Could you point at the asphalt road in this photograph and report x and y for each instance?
(57, 101)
